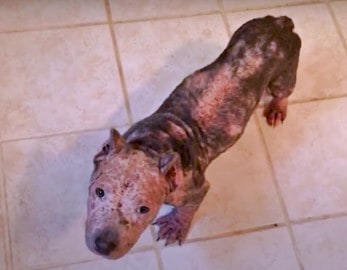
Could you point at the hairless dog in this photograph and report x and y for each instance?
(163, 158)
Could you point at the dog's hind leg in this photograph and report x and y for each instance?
(280, 89)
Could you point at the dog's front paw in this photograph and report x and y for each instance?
(173, 227)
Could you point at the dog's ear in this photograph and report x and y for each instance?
(167, 162)
(116, 140)
(170, 168)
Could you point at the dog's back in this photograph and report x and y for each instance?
(219, 99)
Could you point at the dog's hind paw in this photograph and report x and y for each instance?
(276, 111)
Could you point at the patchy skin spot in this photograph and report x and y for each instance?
(250, 64)
(198, 80)
(272, 47)
(281, 55)
(238, 49)
(205, 112)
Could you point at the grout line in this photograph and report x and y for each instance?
(258, 228)
(279, 194)
(142, 249)
(52, 27)
(160, 263)
(118, 60)
(126, 98)
(62, 265)
(224, 17)
(7, 237)
(319, 218)
(74, 132)
(293, 4)
(157, 249)
(77, 25)
(309, 100)
(47, 267)
(168, 17)
(262, 105)
(236, 233)
(228, 234)
(337, 26)
(156, 18)
(216, 12)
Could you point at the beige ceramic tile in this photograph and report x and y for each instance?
(26, 14)
(267, 250)
(309, 156)
(145, 240)
(58, 81)
(252, 4)
(47, 180)
(340, 10)
(157, 55)
(322, 68)
(322, 244)
(242, 194)
(2, 222)
(137, 261)
(129, 10)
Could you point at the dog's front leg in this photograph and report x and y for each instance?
(175, 225)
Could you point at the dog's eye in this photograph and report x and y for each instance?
(143, 209)
(99, 192)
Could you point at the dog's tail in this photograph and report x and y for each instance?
(285, 23)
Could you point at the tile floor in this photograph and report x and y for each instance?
(72, 69)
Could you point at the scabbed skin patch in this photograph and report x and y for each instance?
(163, 158)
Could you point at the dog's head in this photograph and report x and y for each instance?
(127, 188)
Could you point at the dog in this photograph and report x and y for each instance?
(163, 158)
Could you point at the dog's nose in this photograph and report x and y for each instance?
(106, 242)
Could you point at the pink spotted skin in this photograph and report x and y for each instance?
(137, 183)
